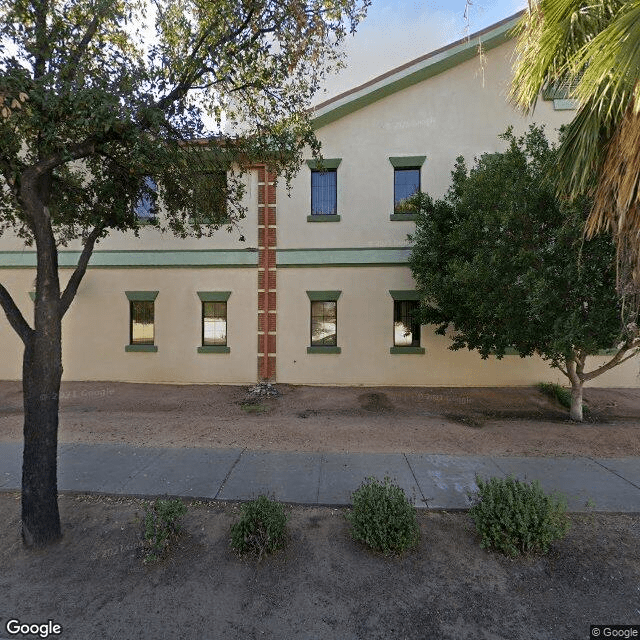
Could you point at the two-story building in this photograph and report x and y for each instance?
(319, 292)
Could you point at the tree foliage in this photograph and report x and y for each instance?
(107, 102)
(501, 262)
(593, 49)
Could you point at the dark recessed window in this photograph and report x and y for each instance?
(406, 329)
(141, 324)
(214, 324)
(324, 324)
(406, 184)
(146, 205)
(210, 197)
(324, 193)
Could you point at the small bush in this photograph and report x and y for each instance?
(261, 528)
(560, 394)
(516, 517)
(382, 517)
(161, 523)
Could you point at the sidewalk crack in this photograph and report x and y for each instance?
(424, 500)
(633, 484)
(233, 466)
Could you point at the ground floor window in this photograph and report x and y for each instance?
(214, 324)
(324, 323)
(406, 329)
(141, 320)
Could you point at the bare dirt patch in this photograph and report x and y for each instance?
(457, 421)
(322, 585)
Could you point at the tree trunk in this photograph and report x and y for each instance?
(576, 401)
(574, 369)
(42, 372)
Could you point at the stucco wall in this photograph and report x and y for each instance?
(459, 112)
(365, 335)
(96, 328)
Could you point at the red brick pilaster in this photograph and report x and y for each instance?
(266, 275)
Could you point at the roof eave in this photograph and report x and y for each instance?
(413, 72)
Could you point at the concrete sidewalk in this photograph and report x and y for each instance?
(430, 480)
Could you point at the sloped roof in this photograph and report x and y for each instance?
(413, 72)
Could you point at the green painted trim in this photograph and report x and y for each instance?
(214, 348)
(142, 348)
(145, 296)
(32, 295)
(214, 296)
(403, 217)
(323, 218)
(406, 350)
(326, 163)
(324, 350)
(607, 352)
(145, 258)
(408, 294)
(343, 257)
(414, 72)
(323, 296)
(406, 162)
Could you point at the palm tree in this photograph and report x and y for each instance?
(592, 48)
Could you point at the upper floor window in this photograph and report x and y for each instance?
(406, 183)
(210, 193)
(324, 193)
(324, 190)
(146, 205)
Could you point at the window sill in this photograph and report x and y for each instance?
(403, 217)
(324, 350)
(323, 218)
(407, 350)
(214, 348)
(148, 348)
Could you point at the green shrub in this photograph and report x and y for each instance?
(261, 528)
(382, 517)
(517, 517)
(161, 523)
(560, 394)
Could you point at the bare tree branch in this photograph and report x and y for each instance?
(14, 315)
(76, 277)
(617, 359)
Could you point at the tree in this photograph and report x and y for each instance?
(501, 261)
(592, 49)
(100, 101)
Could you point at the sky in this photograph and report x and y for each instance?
(397, 31)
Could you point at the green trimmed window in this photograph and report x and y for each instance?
(324, 321)
(406, 183)
(406, 329)
(324, 190)
(141, 320)
(213, 335)
(214, 324)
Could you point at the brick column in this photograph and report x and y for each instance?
(266, 275)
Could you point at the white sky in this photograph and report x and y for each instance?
(397, 31)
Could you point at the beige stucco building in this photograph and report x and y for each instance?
(318, 291)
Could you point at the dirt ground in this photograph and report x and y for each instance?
(322, 585)
(464, 421)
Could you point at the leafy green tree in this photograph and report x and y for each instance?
(100, 101)
(501, 262)
(591, 49)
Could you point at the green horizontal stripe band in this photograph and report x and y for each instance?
(146, 258)
(385, 256)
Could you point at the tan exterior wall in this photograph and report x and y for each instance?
(96, 328)
(365, 335)
(459, 112)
